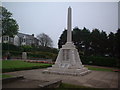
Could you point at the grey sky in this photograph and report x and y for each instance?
(51, 17)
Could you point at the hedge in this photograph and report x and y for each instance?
(46, 55)
(100, 61)
(10, 47)
(12, 53)
(27, 48)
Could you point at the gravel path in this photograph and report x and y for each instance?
(96, 79)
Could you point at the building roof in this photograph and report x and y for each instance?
(21, 35)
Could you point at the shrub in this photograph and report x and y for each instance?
(12, 53)
(26, 48)
(101, 61)
(32, 52)
(45, 55)
(10, 47)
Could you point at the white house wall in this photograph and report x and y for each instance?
(0, 39)
(16, 41)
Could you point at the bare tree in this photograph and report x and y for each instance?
(45, 40)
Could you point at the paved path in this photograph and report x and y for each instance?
(97, 79)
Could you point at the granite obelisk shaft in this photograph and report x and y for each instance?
(69, 25)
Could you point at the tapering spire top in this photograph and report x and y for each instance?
(69, 7)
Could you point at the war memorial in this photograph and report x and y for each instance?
(68, 61)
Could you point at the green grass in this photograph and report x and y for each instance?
(5, 76)
(10, 65)
(66, 86)
(99, 68)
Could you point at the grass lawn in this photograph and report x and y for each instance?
(65, 86)
(5, 76)
(15, 65)
(95, 68)
(10, 65)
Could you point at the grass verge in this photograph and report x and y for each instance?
(99, 68)
(5, 76)
(10, 65)
(66, 86)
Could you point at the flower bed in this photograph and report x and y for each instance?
(37, 61)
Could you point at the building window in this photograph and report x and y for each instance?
(5, 38)
(11, 40)
(23, 40)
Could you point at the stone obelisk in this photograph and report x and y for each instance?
(68, 61)
(69, 25)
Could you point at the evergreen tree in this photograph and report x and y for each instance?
(76, 33)
(117, 50)
(63, 38)
(94, 41)
(103, 42)
(9, 25)
(85, 36)
(111, 44)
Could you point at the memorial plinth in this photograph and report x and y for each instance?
(68, 61)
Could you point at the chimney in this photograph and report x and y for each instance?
(33, 35)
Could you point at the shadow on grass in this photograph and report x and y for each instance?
(10, 66)
(5, 76)
(65, 86)
(23, 68)
(95, 68)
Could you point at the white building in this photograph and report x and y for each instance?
(20, 39)
(7, 39)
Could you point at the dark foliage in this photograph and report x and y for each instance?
(95, 43)
(9, 25)
(32, 52)
(100, 61)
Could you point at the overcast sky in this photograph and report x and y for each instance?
(51, 17)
